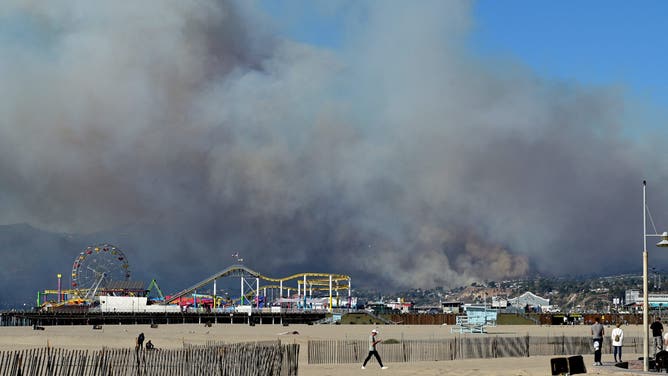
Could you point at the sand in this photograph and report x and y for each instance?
(174, 336)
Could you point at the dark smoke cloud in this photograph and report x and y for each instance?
(184, 131)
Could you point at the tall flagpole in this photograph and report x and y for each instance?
(645, 301)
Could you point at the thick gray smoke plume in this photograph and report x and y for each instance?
(185, 131)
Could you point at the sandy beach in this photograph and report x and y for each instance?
(174, 336)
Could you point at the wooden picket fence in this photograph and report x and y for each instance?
(243, 359)
(462, 347)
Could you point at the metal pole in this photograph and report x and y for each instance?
(330, 293)
(241, 301)
(214, 294)
(60, 290)
(257, 292)
(280, 292)
(645, 301)
(350, 300)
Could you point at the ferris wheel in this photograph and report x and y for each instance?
(98, 265)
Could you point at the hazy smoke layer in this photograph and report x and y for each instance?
(399, 158)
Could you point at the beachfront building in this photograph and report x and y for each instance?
(452, 307)
(656, 300)
(529, 300)
(632, 297)
(134, 304)
(499, 302)
(400, 305)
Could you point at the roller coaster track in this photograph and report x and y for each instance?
(243, 271)
(251, 292)
(248, 295)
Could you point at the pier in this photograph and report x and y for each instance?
(18, 318)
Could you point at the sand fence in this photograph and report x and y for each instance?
(239, 359)
(463, 347)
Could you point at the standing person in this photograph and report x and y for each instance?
(597, 333)
(140, 341)
(617, 336)
(373, 341)
(657, 334)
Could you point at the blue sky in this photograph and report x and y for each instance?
(600, 42)
(594, 41)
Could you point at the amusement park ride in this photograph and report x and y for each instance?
(100, 280)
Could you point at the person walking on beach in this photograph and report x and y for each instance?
(140, 341)
(597, 333)
(657, 334)
(617, 337)
(373, 341)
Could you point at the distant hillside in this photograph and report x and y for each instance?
(576, 293)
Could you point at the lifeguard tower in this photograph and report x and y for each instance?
(476, 320)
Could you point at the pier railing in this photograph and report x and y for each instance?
(143, 318)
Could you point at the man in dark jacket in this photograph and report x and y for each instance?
(657, 334)
(140, 341)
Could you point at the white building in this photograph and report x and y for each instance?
(499, 302)
(655, 300)
(133, 304)
(632, 297)
(530, 299)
